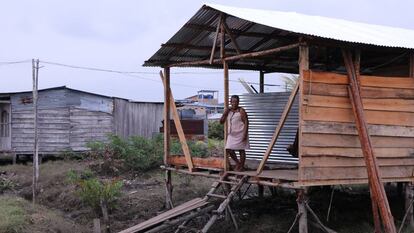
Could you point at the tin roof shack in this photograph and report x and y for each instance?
(69, 119)
(355, 94)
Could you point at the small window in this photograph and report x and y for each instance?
(4, 124)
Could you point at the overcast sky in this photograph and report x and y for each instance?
(122, 34)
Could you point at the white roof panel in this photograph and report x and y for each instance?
(325, 27)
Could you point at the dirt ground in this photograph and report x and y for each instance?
(59, 209)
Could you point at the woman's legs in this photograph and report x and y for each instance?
(242, 159)
(233, 156)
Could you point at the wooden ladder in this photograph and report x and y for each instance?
(232, 188)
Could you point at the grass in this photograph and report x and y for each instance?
(13, 216)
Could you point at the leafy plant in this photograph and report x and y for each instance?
(94, 192)
(215, 130)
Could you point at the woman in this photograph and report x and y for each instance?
(237, 132)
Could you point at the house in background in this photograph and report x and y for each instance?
(68, 119)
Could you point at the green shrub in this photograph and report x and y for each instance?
(215, 130)
(135, 153)
(94, 192)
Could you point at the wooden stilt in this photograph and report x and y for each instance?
(168, 190)
(409, 195)
(14, 155)
(303, 217)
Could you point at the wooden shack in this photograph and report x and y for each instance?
(68, 119)
(355, 98)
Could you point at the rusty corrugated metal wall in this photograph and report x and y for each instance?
(264, 111)
(136, 118)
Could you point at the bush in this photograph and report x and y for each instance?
(13, 217)
(95, 192)
(135, 153)
(215, 130)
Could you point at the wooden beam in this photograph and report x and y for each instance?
(232, 38)
(238, 57)
(303, 214)
(374, 176)
(180, 130)
(278, 129)
(261, 82)
(167, 130)
(213, 49)
(195, 47)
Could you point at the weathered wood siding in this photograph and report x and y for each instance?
(88, 126)
(53, 119)
(68, 119)
(137, 119)
(330, 148)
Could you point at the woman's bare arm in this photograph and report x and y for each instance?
(224, 116)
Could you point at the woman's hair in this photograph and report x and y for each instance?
(235, 97)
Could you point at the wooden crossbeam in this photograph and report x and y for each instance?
(213, 49)
(374, 176)
(179, 128)
(232, 38)
(238, 57)
(278, 129)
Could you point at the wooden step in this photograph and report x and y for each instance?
(216, 195)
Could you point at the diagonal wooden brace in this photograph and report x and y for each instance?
(180, 130)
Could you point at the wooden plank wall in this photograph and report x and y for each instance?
(53, 122)
(331, 152)
(88, 126)
(136, 118)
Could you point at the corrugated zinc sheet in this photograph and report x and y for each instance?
(264, 111)
(137, 119)
(330, 28)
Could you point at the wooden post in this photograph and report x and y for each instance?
(374, 177)
(166, 114)
(261, 82)
(35, 67)
(303, 65)
(409, 195)
(303, 216)
(97, 225)
(168, 183)
(226, 91)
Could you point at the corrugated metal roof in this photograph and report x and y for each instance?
(257, 30)
(325, 27)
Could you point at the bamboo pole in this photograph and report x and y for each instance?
(35, 70)
(226, 91)
(213, 49)
(238, 57)
(303, 215)
(374, 176)
(166, 82)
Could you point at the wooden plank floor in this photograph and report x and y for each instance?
(282, 174)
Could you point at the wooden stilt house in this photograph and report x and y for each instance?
(355, 97)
